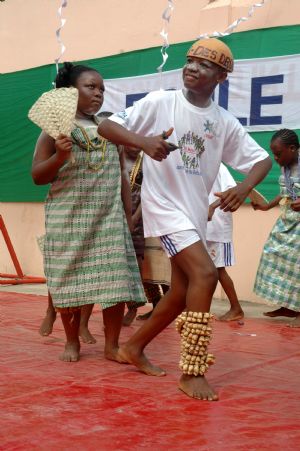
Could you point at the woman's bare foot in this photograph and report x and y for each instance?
(86, 335)
(295, 322)
(128, 355)
(71, 352)
(47, 324)
(197, 387)
(232, 315)
(129, 317)
(144, 316)
(282, 311)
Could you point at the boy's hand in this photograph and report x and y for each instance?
(232, 199)
(156, 146)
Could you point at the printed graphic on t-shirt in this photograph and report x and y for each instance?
(209, 129)
(122, 114)
(191, 149)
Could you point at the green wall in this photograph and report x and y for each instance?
(19, 90)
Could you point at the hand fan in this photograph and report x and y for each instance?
(54, 112)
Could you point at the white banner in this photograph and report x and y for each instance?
(264, 93)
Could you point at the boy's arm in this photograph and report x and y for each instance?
(231, 199)
(155, 146)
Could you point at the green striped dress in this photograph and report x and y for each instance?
(88, 252)
(278, 275)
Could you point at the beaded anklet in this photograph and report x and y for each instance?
(195, 331)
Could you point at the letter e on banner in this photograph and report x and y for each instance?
(257, 100)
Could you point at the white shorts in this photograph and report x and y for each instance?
(177, 241)
(222, 254)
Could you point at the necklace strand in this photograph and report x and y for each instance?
(90, 145)
(288, 182)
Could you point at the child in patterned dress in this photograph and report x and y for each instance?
(277, 278)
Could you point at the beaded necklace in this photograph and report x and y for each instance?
(289, 184)
(135, 169)
(89, 146)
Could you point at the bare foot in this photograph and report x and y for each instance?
(295, 322)
(144, 316)
(47, 324)
(282, 311)
(86, 335)
(128, 355)
(113, 354)
(129, 317)
(71, 352)
(232, 315)
(197, 387)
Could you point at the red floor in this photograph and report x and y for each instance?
(94, 404)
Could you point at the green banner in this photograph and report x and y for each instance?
(19, 90)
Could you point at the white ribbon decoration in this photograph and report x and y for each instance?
(235, 24)
(166, 16)
(64, 3)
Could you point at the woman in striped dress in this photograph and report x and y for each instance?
(88, 253)
(278, 275)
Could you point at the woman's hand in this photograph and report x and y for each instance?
(295, 205)
(63, 147)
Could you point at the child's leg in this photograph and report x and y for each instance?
(112, 320)
(195, 262)
(47, 324)
(84, 332)
(71, 323)
(130, 314)
(153, 295)
(236, 312)
(164, 288)
(132, 306)
(168, 308)
(194, 279)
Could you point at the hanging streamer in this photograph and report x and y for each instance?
(166, 16)
(235, 24)
(64, 3)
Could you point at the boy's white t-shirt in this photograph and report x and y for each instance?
(175, 190)
(219, 229)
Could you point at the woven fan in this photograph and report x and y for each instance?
(54, 112)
